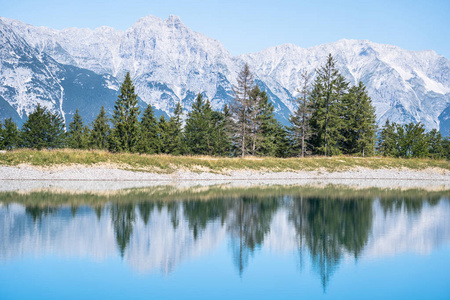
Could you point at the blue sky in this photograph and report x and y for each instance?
(250, 26)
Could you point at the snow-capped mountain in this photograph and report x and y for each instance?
(405, 86)
(169, 63)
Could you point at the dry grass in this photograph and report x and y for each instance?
(170, 164)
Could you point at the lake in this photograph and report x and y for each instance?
(221, 242)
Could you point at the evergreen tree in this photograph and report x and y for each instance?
(220, 137)
(240, 108)
(9, 135)
(446, 147)
(255, 98)
(326, 98)
(163, 134)
(387, 141)
(412, 140)
(2, 137)
(176, 143)
(78, 134)
(199, 128)
(435, 144)
(125, 132)
(268, 128)
(360, 122)
(300, 130)
(225, 133)
(282, 142)
(149, 141)
(100, 131)
(43, 130)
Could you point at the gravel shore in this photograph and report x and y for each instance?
(79, 178)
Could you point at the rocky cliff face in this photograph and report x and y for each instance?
(170, 63)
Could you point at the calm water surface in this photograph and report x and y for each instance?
(221, 243)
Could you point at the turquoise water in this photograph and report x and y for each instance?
(279, 246)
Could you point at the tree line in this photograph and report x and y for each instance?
(331, 118)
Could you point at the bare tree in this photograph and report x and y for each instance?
(300, 129)
(254, 111)
(240, 106)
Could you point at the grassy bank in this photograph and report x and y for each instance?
(168, 164)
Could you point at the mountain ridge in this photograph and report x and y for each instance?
(169, 62)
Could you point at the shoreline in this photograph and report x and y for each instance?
(101, 178)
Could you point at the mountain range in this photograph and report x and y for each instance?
(82, 68)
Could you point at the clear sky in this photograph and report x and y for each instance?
(250, 26)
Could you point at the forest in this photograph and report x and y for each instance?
(332, 117)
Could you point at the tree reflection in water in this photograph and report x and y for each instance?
(327, 226)
(250, 220)
(123, 217)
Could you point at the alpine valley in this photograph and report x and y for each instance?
(82, 68)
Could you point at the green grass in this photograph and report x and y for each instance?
(169, 164)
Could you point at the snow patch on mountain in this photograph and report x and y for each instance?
(171, 63)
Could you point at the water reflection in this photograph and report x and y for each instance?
(324, 227)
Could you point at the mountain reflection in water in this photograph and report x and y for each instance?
(155, 234)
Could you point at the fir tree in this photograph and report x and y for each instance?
(360, 122)
(223, 132)
(446, 147)
(125, 132)
(412, 140)
(220, 137)
(100, 131)
(326, 120)
(198, 130)
(163, 134)
(268, 128)
(282, 142)
(387, 141)
(149, 141)
(43, 130)
(254, 118)
(240, 107)
(9, 135)
(300, 130)
(78, 134)
(176, 143)
(435, 144)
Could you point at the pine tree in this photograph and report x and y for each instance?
(268, 128)
(163, 134)
(43, 130)
(240, 107)
(9, 135)
(149, 141)
(412, 140)
(359, 130)
(100, 131)
(446, 147)
(300, 130)
(78, 134)
(254, 118)
(435, 144)
(2, 137)
(125, 132)
(176, 142)
(198, 129)
(326, 120)
(220, 138)
(282, 142)
(387, 141)
(226, 133)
